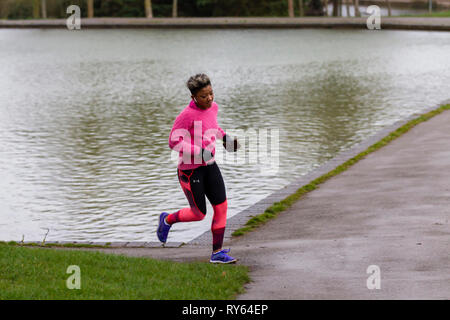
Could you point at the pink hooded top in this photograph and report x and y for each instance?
(195, 129)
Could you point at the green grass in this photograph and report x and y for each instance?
(440, 14)
(40, 273)
(278, 207)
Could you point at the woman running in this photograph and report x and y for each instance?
(193, 135)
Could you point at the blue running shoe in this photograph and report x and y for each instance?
(222, 257)
(163, 228)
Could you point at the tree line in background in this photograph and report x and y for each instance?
(24, 9)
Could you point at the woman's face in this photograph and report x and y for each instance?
(204, 98)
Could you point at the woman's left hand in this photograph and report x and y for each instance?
(230, 144)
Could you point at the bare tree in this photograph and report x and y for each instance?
(335, 8)
(348, 7)
(148, 9)
(389, 7)
(44, 9)
(35, 9)
(301, 8)
(90, 8)
(175, 9)
(291, 8)
(356, 5)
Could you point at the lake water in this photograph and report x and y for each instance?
(85, 116)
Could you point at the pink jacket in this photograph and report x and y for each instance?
(195, 129)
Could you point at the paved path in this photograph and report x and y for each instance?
(391, 209)
(408, 23)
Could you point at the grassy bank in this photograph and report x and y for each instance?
(278, 207)
(39, 273)
(440, 14)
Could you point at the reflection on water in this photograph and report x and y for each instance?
(85, 116)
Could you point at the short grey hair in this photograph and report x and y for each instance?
(198, 82)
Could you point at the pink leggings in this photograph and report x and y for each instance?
(196, 184)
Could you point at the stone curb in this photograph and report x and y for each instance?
(402, 23)
(121, 244)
